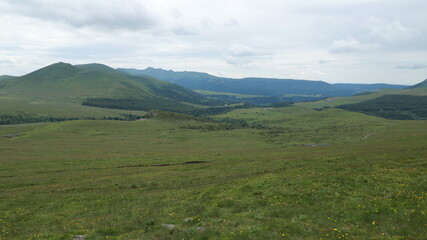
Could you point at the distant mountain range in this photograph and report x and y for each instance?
(302, 89)
(98, 85)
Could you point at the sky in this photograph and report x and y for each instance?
(337, 41)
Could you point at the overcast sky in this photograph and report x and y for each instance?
(357, 41)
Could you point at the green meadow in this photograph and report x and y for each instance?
(289, 173)
(69, 108)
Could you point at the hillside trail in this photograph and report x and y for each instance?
(376, 131)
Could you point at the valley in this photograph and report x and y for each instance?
(213, 120)
(299, 170)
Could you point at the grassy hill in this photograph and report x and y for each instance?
(67, 87)
(174, 177)
(416, 90)
(62, 81)
(409, 103)
(393, 107)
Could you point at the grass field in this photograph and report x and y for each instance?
(297, 125)
(16, 106)
(174, 179)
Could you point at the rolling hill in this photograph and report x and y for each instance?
(404, 104)
(289, 89)
(402, 107)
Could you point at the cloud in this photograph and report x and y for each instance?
(324, 61)
(350, 45)
(411, 66)
(235, 38)
(390, 31)
(238, 50)
(231, 23)
(10, 62)
(183, 31)
(312, 73)
(238, 54)
(107, 15)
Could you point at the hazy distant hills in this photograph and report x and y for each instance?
(101, 86)
(259, 86)
(5, 77)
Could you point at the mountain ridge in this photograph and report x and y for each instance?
(422, 84)
(256, 85)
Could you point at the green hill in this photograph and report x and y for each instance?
(404, 104)
(101, 86)
(403, 107)
(62, 80)
(419, 89)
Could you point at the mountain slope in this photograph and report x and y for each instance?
(156, 86)
(258, 86)
(94, 82)
(169, 75)
(422, 84)
(63, 80)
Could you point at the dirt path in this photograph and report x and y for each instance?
(365, 137)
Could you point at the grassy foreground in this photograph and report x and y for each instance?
(171, 179)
